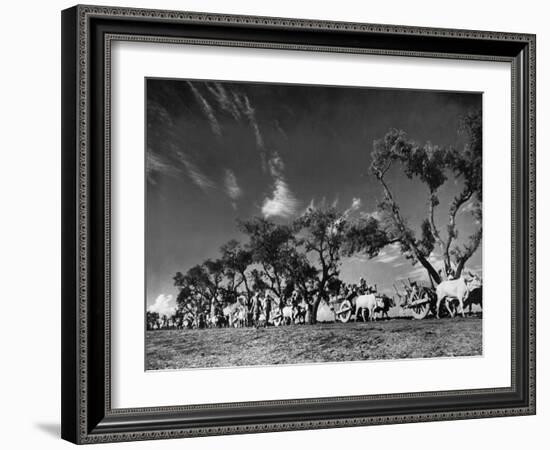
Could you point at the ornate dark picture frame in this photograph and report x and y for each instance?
(87, 34)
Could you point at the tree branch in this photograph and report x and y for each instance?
(433, 202)
(458, 201)
(402, 227)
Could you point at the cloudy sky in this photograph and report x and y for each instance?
(218, 151)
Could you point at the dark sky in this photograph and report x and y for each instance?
(218, 151)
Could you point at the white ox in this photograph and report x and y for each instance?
(458, 289)
(288, 315)
(367, 302)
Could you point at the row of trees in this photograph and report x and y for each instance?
(306, 253)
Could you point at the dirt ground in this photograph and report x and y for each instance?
(323, 342)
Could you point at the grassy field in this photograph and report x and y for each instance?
(299, 344)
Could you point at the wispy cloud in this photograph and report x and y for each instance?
(280, 130)
(281, 203)
(164, 305)
(156, 164)
(386, 258)
(244, 104)
(232, 188)
(206, 109)
(359, 258)
(389, 255)
(226, 101)
(155, 111)
(197, 176)
(251, 114)
(276, 165)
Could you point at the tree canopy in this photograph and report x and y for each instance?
(432, 165)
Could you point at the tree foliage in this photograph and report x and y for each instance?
(273, 249)
(432, 165)
(322, 234)
(200, 285)
(236, 259)
(365, 235)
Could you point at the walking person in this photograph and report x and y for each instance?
(267, 308)
(256, 303)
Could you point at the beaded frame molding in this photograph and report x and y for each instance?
(87, 35)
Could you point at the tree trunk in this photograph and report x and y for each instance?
(459, 268)
(314, 309)
(246, 287)
(431, 271)
(398, 220)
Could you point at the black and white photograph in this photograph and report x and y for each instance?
(297, 224)
(275, 225)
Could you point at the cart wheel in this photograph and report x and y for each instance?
(344, 312)
(420, 311)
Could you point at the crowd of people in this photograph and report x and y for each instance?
(260, 307)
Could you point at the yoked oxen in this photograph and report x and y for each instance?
(368, 303)
(458, 289)
(387, 302)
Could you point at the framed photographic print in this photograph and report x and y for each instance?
(281, 224)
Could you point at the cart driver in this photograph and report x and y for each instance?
(363, 288)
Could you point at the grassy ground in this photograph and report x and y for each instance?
(298, 344)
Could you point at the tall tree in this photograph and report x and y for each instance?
(205, 280)
(185, 299)
(236, 260)
(273, 248)
(322, 232)
(432, 165)
(213, 270)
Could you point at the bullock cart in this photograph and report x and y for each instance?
(289, 314)
(418, 299)
(346, 307)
